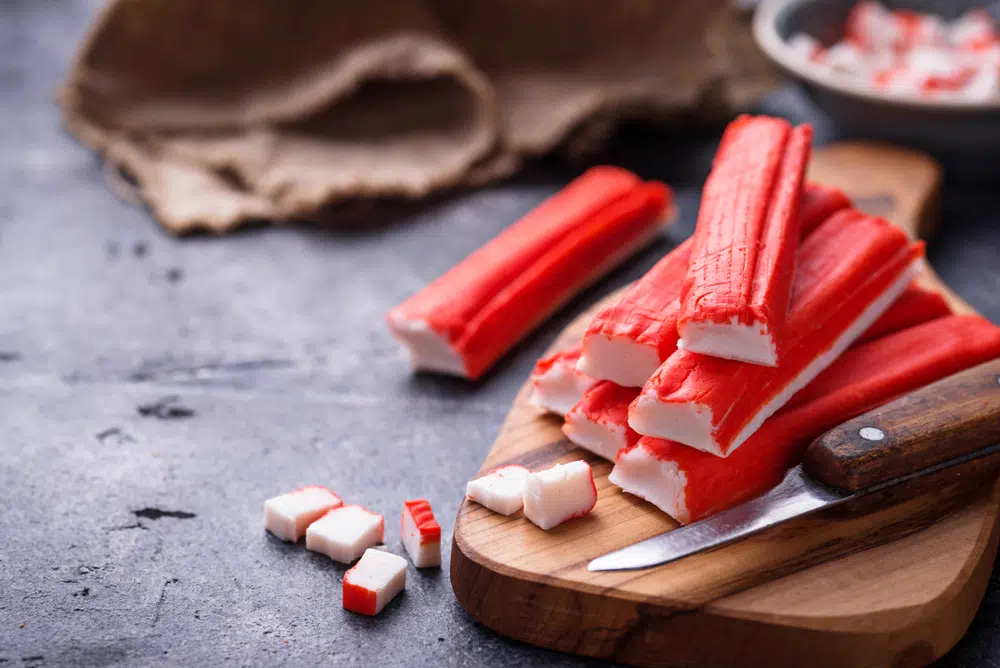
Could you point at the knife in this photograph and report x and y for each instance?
(951, 427)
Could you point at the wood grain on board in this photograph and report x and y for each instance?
(894, 587)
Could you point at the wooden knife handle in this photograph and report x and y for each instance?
(953, 417)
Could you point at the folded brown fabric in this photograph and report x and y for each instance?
(231, 111)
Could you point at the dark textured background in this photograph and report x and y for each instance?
(135, 540)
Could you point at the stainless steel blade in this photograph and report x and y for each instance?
(795, 496)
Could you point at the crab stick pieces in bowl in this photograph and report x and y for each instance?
(464, 321)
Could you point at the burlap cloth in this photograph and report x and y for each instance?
(230, 111)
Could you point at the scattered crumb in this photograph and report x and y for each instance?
(174, 275)
(140, 249)
(165, 409)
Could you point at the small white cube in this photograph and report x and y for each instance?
(421, 533)
(287, 516)
(374, 581)
(501, 490)
(560, 493)
(344, 533)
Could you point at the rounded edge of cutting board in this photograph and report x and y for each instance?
(889, 600)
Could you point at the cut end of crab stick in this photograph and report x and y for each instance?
(558, 494)
(344, 533)
(500, 490)
(599, 422)
(467, 319)
(735, 296)
(374, 581)
(421, 533)
(287, 516)
(556, 383)
(850, 272)
(690, 485)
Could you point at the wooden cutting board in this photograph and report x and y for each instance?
(897, 587)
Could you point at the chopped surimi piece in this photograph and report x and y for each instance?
(806, 47)
(914, 307)
(985, 84)
(975, 30)
(344, 533)
(560, 493)
(287, 516)
(690, 485)
(850, 271)
(627, 341)
(871, 27)
(934, 69)
(501, 490)
(556, 383)
(734, 300)
(468, 318)
(599, 423)
(421, 533)
(374, 581)
(846, 57)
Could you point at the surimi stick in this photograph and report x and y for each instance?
(735, 296)
(468, 318)
(421, 533)
(500, 490)
(344, 533)
(599, 422)
(557, 384)
(850, 271)
(374, 581)
(915, 306)
(626, 342)
(558, 494)
(287, 516)
(689, 484)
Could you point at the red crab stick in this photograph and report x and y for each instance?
(599, 422)
(850, 271)
(689, 485)
(467, 319)
(913, 307)
(734, 299)
(557, 384)
(626, 342)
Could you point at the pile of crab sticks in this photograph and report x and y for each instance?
(913, 54)
(787, 313)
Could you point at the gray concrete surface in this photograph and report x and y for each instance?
(131, 539)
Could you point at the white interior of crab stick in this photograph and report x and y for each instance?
(559, 388)
(732, 340)
(501, 490)
(660, 482)
(421, 534)
(374, 581)
(604, 440)
(691, 423)
(558, 494)
(287, 516)
(618, 359)
(344, 533)
(427, 349)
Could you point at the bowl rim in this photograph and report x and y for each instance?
(780, 52)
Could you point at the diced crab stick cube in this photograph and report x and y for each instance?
(627, 341)
(847, 58)
(914, 307)
(984, 85)
(560, 493)
(936, 69)
(690, 485)
(850, 272)
(344, 533)
(871, 27)
(501, 490)
(599, 422)
(556, 383)
(917, 29)
(734, 298)
(467, 319)
(374, 581)
(806, 47)
(421, 533)
(975, 30)
(287, 516)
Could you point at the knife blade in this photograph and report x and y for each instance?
(950, 424)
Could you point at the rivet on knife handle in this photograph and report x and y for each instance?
(951, 418)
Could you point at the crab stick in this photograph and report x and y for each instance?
(287, 516)
(500, 490)
(599, 422)
(734, 299)
(421, 533)
(344, 533)
(556, 383)
(627, 341)
(850, 272)
(374, 581)
(915, 306)
(689, 484)
(560, 493)
(468, 318)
